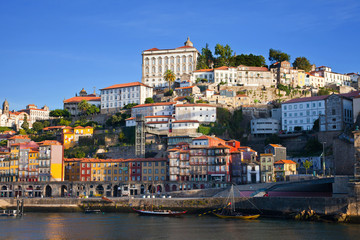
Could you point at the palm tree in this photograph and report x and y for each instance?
(169, 76)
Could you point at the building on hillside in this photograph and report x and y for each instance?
(356, 108)
(12, 119)
(331, 77)
(181, 61)
(187, 91)
(115, 97)
(201, 74)
(71, 104)
(33, 162)
(17, 139)
(263, 127)
(283, 169)
(338, 114)
(233, 100)
(284, 73)
(244, 166)
(70, 136)
(36, 114)
(255, 76)
(172, 117)
(301, 78)
(316, 80)
(301, 113)
(204, 113)
(267, 167)
(205, 162)
(277, 150)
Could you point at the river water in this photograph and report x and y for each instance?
(132, 226)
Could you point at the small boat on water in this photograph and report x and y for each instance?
(238, 216)
(159, 212)
(8, 213)
(89, 211)
(229, 210)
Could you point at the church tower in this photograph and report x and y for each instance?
(5, 107)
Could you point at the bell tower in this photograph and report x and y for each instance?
(5, 107)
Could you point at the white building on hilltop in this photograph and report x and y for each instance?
(182, 61)
(115, 97)
(331, 77)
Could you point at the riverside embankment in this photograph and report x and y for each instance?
(270, 206)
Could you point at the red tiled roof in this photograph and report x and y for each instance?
(275, 145)
(185, 47)
(204, 70)
(122, 85)
(79, 99)
(242, 95)
(155, 104)
(194, 105)
(156, 122)
(49, 142)
(186, 121)
(19, 137)
(152, 49)
(285, 162)
(351, 94)
(251, 68)
(307, 99)
(179, 88)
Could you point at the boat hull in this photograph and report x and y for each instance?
(159, 213)
(247, 217)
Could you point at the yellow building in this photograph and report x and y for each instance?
(284, 168)
(301, 78)
(71, 135)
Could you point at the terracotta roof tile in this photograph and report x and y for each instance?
(126, 85)
(79, 99)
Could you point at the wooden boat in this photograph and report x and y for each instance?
(88, 211)
(168, 213)
(229, 210)
(244, 217)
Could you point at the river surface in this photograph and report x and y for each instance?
(132, 226)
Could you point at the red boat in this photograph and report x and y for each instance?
(159, 212)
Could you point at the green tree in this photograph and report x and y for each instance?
(25, 124)
(22, 132)
(169, 93)
(205, 59)
(59, 113)
(130, 105)
(307, 164)
(302, 63)
(80, 154)
(3, 143)
(323, 91)
(316, 126)
(3, 129)
(249, 60)
(84, 106)
(92, 110)
(169, 77)
(64, 122)
(149, 100)
(38, 126)
(224, 55)
(278, 56)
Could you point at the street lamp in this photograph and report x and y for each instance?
(323, 155)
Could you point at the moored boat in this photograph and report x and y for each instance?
(159, 212)
(244, 217)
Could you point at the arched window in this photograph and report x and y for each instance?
(146, 61)
(178, 59)
(153, 70)
(147, 70)
(190, 59)
(184, 59)
(190, 67)
(184, 68)
(153, 61)
(172, 60)
(160, 60)
(166, 60)
(160, 69)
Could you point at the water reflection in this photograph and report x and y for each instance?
(132, 226)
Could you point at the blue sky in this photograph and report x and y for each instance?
(49, 50)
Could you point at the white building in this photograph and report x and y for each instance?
(332, 77)
(182, 61)
(302, 112)
(354, 77)
(36, 114)
(207, 74)
(12, 119)
(264, 126)
(203, 113)
(115, 97)
(154, 109)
